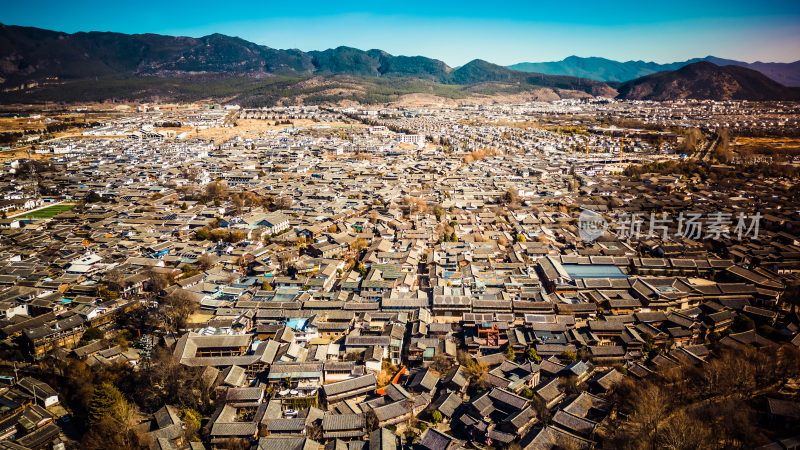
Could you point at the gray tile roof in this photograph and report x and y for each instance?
(353, 384)
(339, 422)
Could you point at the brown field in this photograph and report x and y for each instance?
(28, 123)
(200, 317)
(250, 128)
(20, 153)
(523, 125)
(18, 124)
(789, 143)
(246, 128)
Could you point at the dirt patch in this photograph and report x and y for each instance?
(788, 143)
(533, 95)
(250, 128)
(427, 100)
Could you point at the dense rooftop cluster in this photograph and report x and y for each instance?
(368, 278)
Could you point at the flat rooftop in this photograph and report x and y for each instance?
(577, 271)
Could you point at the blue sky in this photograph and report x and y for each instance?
(499, 31)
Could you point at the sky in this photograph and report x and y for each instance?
(499, 31)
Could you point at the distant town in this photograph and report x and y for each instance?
(581, 273)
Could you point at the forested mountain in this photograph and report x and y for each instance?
(42, 65)
(704, 80)
(602, 69)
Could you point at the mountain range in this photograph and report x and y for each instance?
(30, 53)
(43, 65)
(602, 69)
(704, 80)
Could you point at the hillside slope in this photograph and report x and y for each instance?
(602, 69)
(704, 80)
(34, 55)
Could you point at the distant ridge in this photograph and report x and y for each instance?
(30, 54)
(602, 69)
(39, 65)
(704, 80)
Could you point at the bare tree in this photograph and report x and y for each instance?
(442, 363)
(216, 190)
(371, 420)
(158, 281)
(238, 203)
(359, 244)
(115, 280)
(190, 173)
(206, 261)
(178, 306)
(283, 202)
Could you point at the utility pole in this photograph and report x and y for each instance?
(34, 177)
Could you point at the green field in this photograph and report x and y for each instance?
(46, 213)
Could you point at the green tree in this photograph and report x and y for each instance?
(123, 339)
(568, 356)
(192, 419)
(475, 370)
(436, 416)
(106, 293)
(527, 393)
(509, 352)
(107, 401)
(742, 322)
(91, 334)
(533, 355)
(184, 206)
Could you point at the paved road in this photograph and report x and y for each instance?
(710, 150)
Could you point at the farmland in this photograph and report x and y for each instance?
(47, 212)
